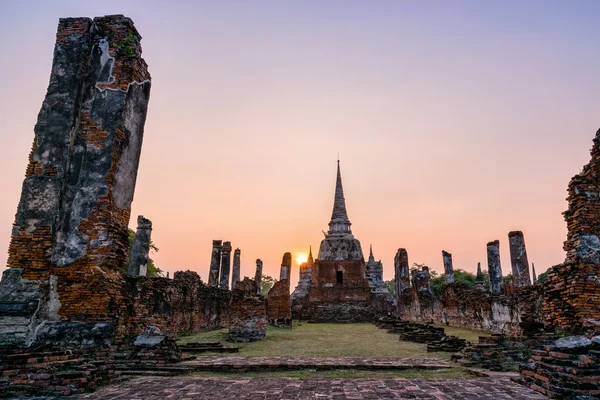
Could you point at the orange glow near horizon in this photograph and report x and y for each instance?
(301, 258)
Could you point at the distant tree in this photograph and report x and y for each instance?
(391, 286)
(266, 284)
(486, 279)
(438, 282)
(508, 278)
(153, 270)
(543, 276)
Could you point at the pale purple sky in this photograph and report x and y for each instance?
(456, 122)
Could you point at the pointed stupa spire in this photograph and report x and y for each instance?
(339, 217)
(371, 257)
(479, 277)
(310, 260)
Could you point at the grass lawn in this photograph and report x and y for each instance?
(328, 340)
(334, 340)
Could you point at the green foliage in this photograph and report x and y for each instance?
(266, 284)
(438, 282)
(391, 286)
(508, 278)
(543, 276)
(125, 46)
(153, 270)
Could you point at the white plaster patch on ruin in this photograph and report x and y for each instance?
(97, 268)
(53, 305)
(31, 225)
(104, 58)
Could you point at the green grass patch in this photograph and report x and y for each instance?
(330, 340)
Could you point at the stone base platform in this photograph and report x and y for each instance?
(150, 388)
(216, 363)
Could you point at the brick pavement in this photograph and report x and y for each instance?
(254, 363)
(188, 388)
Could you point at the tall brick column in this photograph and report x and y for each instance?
(138, 261)
(215, 264)
(235, 275)
(494, 267)
(518, 258)
(225, 265)
(479, 277)
(286, 267)
(401, 271)
(448, 268)
(258, 273)
(73, 215)
(572, 290)
(533, 273)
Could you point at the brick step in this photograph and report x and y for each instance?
(149, 373)
(212, 349)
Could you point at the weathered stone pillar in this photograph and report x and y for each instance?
(279, 311)
(235, 275)
(258, 274)
(225, 265)
(401, 271)
(286, 267)
(479, 277)
(494, 267)
(215, 264)
(138, 260)
(448, 268)
(534, 275)
(73, 214)
(518, 258)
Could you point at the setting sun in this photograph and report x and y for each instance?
(301, 258)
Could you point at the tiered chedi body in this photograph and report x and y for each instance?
(338, 277)
(339, 243)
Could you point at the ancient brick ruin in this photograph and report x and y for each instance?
(248, 314)
(279, 302)
(64, 290)
(572, 292)
(71, 318)
(138, 260)
(340, 288)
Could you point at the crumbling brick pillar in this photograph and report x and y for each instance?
(215, 264)
(73, 215)
(448, 268)
(235, 275)
(258, 274)
(479, 277)
(494, 267)
(138, 260)
(401, 271)
(286, 267)
(248, 319)
(225, 265)
(572, 290)
(279, 302)
(518, 258)
(533, 273)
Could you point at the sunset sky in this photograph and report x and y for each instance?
(455, 122)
